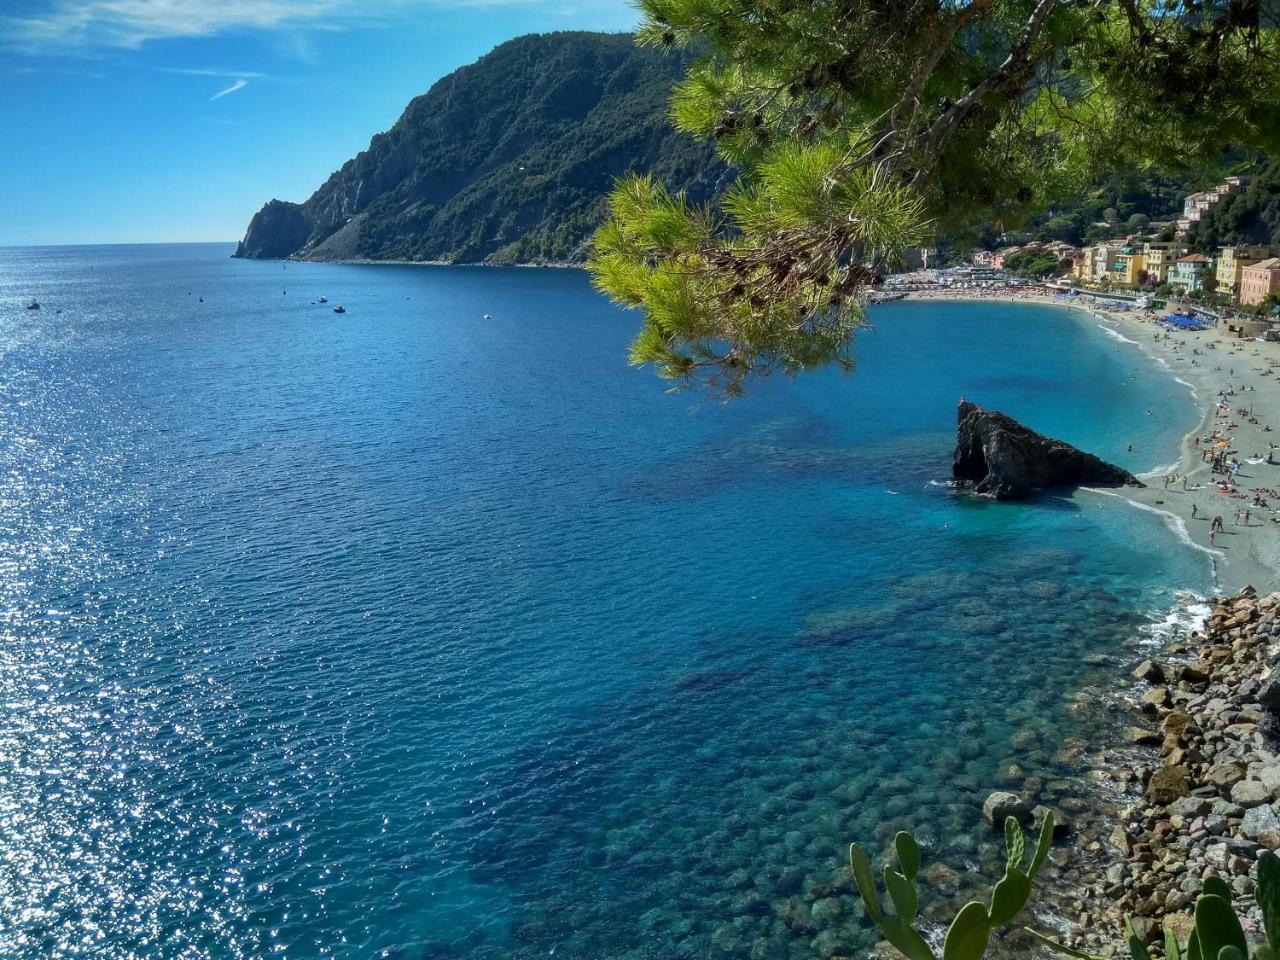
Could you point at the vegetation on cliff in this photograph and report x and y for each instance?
(508, 160)
(1249, 217)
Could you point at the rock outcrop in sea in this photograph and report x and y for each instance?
(998, 457)
(1210, 797)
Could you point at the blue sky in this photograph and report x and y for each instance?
(169, 120)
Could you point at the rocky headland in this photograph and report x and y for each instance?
(508, 160)
(998, 457)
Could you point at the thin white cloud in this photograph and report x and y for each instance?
(85, 25)
(238, 85)
(128, 24)
(210, 72)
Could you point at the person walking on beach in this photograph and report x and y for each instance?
(1193, 511)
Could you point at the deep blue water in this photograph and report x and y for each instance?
(414, 634)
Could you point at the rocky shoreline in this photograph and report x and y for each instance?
(1196, 787)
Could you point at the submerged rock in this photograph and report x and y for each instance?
(1002, 804)
(998, 457)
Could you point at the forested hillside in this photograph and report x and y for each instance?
(507, 160)
(1250, 217)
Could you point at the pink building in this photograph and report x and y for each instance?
(1259, 280)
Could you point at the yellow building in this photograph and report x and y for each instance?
(1160, 258)
(1126, 265)
(1231, 264)
(1082, 267)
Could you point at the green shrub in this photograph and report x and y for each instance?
(1216, 935)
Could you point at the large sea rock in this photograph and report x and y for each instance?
(998, 457)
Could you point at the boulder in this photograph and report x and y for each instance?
(1193, 674)
(1225, 775)
(1001, 805)
(1269, 697)
(998, 457)
(1250, 793)
(1190, 807)
(1151, 671)
(1270, 777)
(1168, 784)
(1142, 737)
(1262, 825)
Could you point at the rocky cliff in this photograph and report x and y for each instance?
(507, 160)
(997, 456)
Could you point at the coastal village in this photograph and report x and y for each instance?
(1159, 261)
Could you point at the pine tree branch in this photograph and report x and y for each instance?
(1011, 75)
(933, 56)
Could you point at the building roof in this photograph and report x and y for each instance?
(1194, 258)
(1272, 264)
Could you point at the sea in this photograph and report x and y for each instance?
(433, 630)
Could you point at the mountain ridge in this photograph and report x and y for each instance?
(507, 160)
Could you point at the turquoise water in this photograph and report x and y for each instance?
(413, 634)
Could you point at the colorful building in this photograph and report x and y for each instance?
(1231, 264)
(1103, 254)
(1160, 257)
(1259, 280)
(1188, 273)
(1128, 265)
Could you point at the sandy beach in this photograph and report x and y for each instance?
(1217, 367)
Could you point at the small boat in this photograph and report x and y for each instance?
(33, 305)
(488, 316)
(322, 299)
(339, 309)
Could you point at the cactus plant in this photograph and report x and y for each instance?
(971, 929)
(1216, 935)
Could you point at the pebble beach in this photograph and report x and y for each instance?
(1186, 784)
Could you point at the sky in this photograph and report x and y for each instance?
(136, 121)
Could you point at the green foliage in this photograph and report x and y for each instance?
(859, 128)
(1216, 925)
(1249, 217)
(973, 924)
(709, 311)
(1217, 932)
(511, 159)
(1034, 264)
(1267, 894)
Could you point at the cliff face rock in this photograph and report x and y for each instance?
(998, 457)
(276, 231)
(508, 160)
